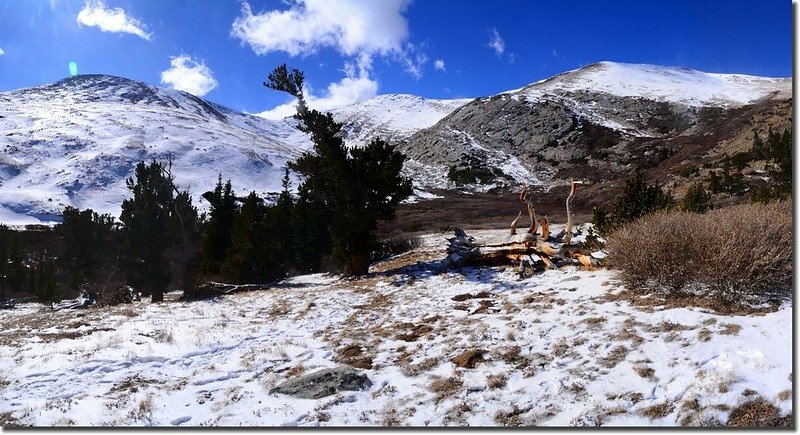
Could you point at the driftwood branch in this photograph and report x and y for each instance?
(525, 249)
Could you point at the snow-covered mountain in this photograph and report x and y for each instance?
(582, 121)
(393, 117)
(74, 142)
(659, 83)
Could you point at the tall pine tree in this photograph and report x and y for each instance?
(217, 238)
(353, 188)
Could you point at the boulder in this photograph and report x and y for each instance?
(324, 383)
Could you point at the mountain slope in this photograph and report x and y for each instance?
(392, 116)
(74, 142)
(593, 119)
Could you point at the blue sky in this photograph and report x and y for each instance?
(354, 49)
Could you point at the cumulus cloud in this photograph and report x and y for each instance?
(352, 88)
(496, 43)
(356, 29)
(2, 52)
(349, 26)
(96, 14)
(187, 74)
(438, 64)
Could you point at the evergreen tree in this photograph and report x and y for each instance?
(697, 199)
(251, 257)
(185, 224)
(88, 245)
(638, 199)
(282, 215)
(217, 238)
(355, 188)
(146, 231)
(43, 281)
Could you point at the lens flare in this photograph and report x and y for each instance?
(73, 69)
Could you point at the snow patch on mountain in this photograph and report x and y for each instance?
(392, 116)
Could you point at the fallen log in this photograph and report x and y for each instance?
(527, 249)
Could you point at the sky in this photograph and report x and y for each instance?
(351, 50)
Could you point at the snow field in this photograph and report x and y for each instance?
(556, 349)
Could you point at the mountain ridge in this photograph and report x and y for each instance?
(75, 141)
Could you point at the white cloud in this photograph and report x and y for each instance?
(95, 13)
(349, 26)
(186, 74)
(438, 64)
(2, 52)
(350, 89)
(496, 42)
(356, 29)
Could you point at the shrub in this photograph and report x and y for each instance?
(638, 199)
(729, 254)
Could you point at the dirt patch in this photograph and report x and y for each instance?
(469, 359)
(649, 302)
(758, 413)
(614, 357)
(485, 308)
(465, 296)
(353, 356)
(415, 332)
(445, 387)
(645, 372)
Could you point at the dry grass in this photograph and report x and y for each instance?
(660, 410)
(734, 253)
(758, 413)
(497, 381)
(614, 357)
(730, 329)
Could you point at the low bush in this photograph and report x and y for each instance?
(729, 254)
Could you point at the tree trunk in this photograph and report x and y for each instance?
(157, 295)
(359, 265)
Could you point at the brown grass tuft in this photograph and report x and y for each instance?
(758, 413)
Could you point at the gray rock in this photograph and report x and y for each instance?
(324, 383)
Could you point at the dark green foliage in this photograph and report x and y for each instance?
(689, 171)
(779, 152)
(251, 257)
(185, 224)
(157, 218)
(355, 188)
(12, 268)
(728, 182)
(697, 199)
(88, 245)
(43, 280)
(464, 175)
(592, 240)
(217, 238)
(638, 199)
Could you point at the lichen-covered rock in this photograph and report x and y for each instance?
(324, 383)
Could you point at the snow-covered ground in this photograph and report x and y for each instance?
(558, 349)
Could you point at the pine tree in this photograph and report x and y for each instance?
(355, 188)
(251, 257)
(282, 215)
(217, 238)
(43, 281)
(88, 245)
(638, 199)
(697, 199)
(146, 229)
